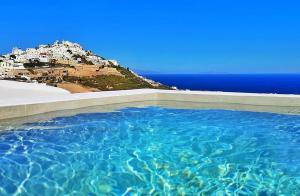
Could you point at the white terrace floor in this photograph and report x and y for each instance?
(11, 91)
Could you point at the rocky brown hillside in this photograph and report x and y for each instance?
(67, 65)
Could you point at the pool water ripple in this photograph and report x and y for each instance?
(153, 151)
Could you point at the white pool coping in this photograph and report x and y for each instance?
(31, 104)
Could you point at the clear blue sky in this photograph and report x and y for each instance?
(185, 36)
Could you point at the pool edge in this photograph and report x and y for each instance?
(23, 108)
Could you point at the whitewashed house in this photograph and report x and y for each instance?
(16, 65)
(6, 64)
(10, 64)
(17, 51)
(43, 58)
(21, 58)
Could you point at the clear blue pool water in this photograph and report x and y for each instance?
(153, 150)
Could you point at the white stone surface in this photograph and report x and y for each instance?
(12, 92)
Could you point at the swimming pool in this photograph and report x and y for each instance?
(153, 150)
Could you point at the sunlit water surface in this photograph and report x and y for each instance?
(154, 151)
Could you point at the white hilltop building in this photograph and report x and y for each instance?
(17, 51)
(63, 52)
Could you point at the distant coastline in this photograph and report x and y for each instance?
(249, 83)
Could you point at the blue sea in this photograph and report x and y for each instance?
(153, 151)
(252, 83)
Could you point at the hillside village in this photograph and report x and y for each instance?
(67, 65)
